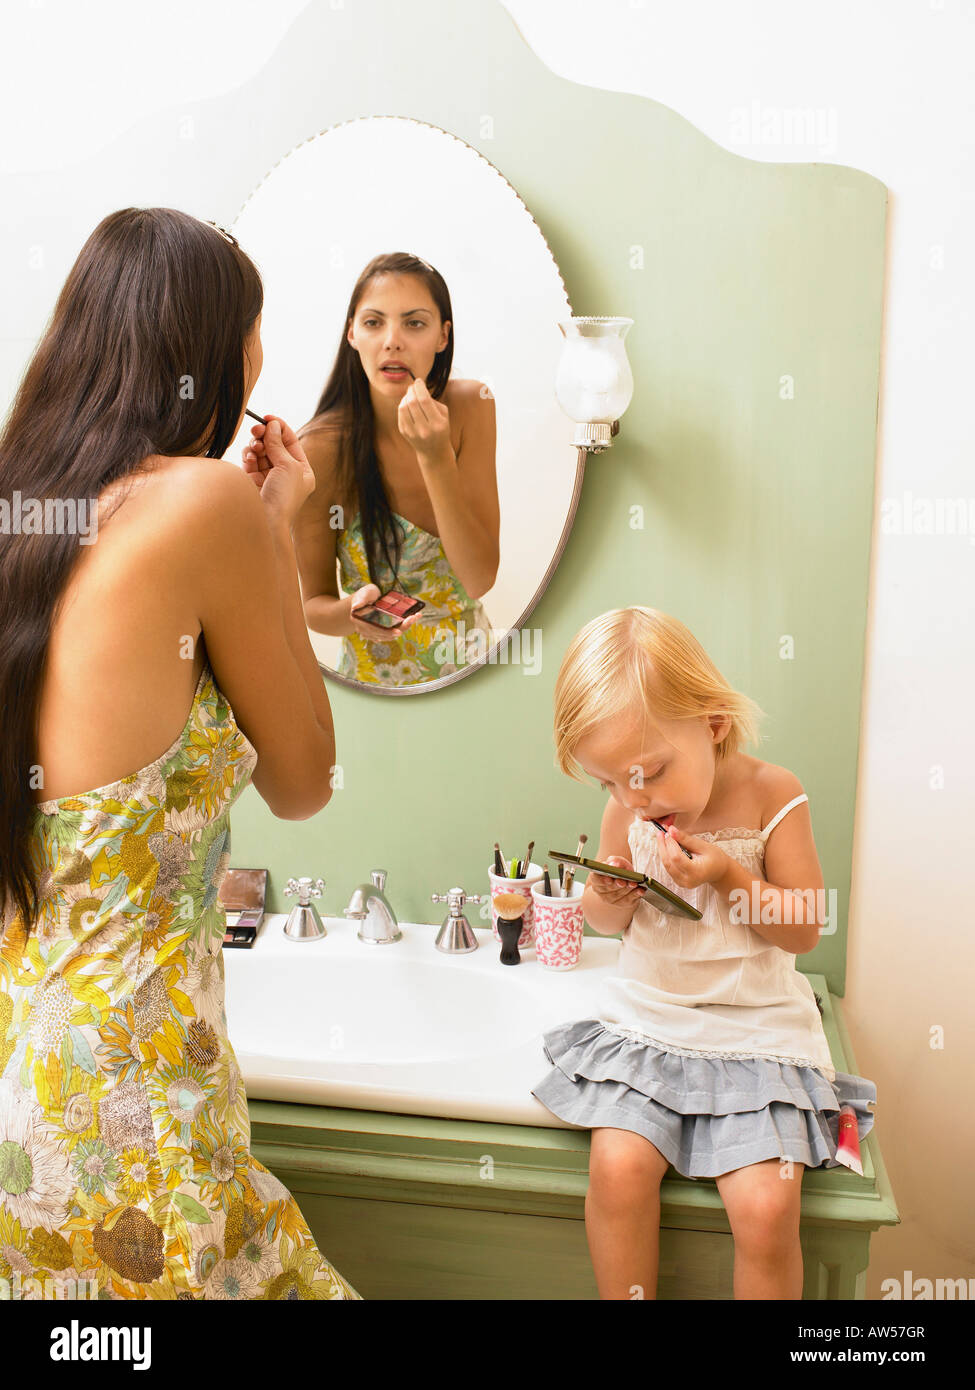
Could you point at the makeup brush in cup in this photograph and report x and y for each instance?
(523, 866)
(498, 861)
(548, 883)
(570, 874)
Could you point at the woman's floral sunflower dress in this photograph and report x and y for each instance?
(452, 631)
(124, 1131)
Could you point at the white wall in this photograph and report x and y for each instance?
(891, 87)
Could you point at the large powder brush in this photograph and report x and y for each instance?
(510, 908)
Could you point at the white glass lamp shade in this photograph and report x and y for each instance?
(594, 384)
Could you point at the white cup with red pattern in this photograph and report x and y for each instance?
(521, 885)
(558, 924)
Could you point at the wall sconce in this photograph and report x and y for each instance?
(594, 384)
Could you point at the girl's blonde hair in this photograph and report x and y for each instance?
(638, 657)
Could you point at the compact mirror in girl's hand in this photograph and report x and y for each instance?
(656, 894)
(665, 901)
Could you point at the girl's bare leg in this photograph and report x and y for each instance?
(623, 1213)
(762, 1202)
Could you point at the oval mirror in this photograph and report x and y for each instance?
(469, 485)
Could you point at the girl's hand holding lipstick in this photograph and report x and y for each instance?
(707, 866)
(424, 422)
(281, 472)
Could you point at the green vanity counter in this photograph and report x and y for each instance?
(414, 1206)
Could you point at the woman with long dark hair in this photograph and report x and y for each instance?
(406, 495)
(124, 1131)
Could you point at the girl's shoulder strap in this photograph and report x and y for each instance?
(796, 801)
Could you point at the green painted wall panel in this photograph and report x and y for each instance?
(757, 510)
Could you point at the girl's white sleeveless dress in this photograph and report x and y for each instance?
(708, 1041)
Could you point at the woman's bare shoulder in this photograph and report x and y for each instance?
(184, 486)
(322, 440)
(329, 426)
(160, 489)
(466, 391)
(472, 415)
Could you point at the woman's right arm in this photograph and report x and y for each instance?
(249, 608)
(608, 904)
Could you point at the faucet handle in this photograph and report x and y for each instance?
(306, 888)
(457, 898)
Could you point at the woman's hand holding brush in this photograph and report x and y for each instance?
(281, 472)
(424, 422)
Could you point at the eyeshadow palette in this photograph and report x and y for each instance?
(242, 896)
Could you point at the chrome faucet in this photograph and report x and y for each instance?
(304, 923)
(373, 910)
(456, 935)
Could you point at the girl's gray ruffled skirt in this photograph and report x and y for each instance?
(706, 1115)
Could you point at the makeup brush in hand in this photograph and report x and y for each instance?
(663, 830)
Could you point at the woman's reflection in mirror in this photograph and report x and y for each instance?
(406, 493)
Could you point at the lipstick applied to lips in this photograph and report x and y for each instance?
(663, 829)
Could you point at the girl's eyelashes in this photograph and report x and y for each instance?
(605, 786)
(652, 778)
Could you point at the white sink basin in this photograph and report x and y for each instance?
(402, 1027)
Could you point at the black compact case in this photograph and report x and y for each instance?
(655, 893)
